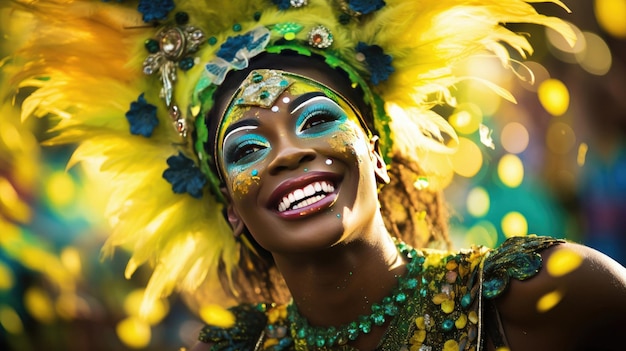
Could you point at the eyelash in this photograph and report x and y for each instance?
(318, 115)
(241, 152)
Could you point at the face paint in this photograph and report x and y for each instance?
(321, 113)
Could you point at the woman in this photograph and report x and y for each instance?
(291, 118)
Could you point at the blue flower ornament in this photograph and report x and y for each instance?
(142, 117)
(184, 175)
(235, 53)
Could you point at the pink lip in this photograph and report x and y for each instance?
(296, 183)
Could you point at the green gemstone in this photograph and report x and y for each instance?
(365, 325)
(264, 95)
(401, 297)
(320, 341)
(378, 319)
(152, 46)
(391, 310)
(447, 325)
(353, 331)
(212, 40)
(237, 27)
(466, 300)
(257, 78)
(301, 333)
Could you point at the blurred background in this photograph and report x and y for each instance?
(552, 164)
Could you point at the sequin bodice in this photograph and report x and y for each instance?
(443, 312)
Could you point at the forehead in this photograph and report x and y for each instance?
(263, 88)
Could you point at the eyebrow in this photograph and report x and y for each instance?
(300, 100)
(239, 124)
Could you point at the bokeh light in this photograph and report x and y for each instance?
(482, 233)
(39, 305)
(514, 137)
(563, 261)
(60, 189)
(217, 316)
(478, 202)
(560, 138)
(611, 16)
(596, 58)
(511, 170)
(10, 320)
(468, 158)
(6, 277)
(466, 118)
(514, 224)
(549, 301)
(134, 332)
(554, 96)
(132, 306)
(532, 74)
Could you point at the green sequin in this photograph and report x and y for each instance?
(419, 321)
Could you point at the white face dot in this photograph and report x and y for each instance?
(286, 100)
(275, 109)
(329, 161)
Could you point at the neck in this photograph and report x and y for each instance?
(336, 286)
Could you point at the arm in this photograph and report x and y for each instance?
(580, 308)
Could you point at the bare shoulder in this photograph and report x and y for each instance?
(577, 301)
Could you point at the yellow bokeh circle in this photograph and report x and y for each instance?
(134, 332)
(478, 202)
(466, 118)
(554, 96)
(511, 170)
(611, 15)
(514, 224)
(468, 159)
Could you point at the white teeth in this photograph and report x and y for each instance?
(298, 194)
(309, 190)
(305, 196)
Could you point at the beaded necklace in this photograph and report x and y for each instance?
(326, 337)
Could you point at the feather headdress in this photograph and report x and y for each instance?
(116, 80)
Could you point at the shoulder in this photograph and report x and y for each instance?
(576, 297)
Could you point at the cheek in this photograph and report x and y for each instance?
(349, 140)
(243, 181)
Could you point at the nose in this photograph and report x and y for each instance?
(290, 156)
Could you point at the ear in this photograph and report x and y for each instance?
(380, 167)
(233, 217)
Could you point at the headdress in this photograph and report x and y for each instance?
(118, 75)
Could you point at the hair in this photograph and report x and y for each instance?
(417, 216)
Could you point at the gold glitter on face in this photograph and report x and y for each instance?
(252, 138)
(242, 182)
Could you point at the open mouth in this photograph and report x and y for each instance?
(306, 196)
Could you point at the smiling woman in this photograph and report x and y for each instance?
(301, 184)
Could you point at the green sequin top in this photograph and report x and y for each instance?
(443, 312)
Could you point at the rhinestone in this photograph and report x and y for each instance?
(175, 113)
(181, 126)
(172, 43)
(298, 3)
(320, 37)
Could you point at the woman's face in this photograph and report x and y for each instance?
(298, 167)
